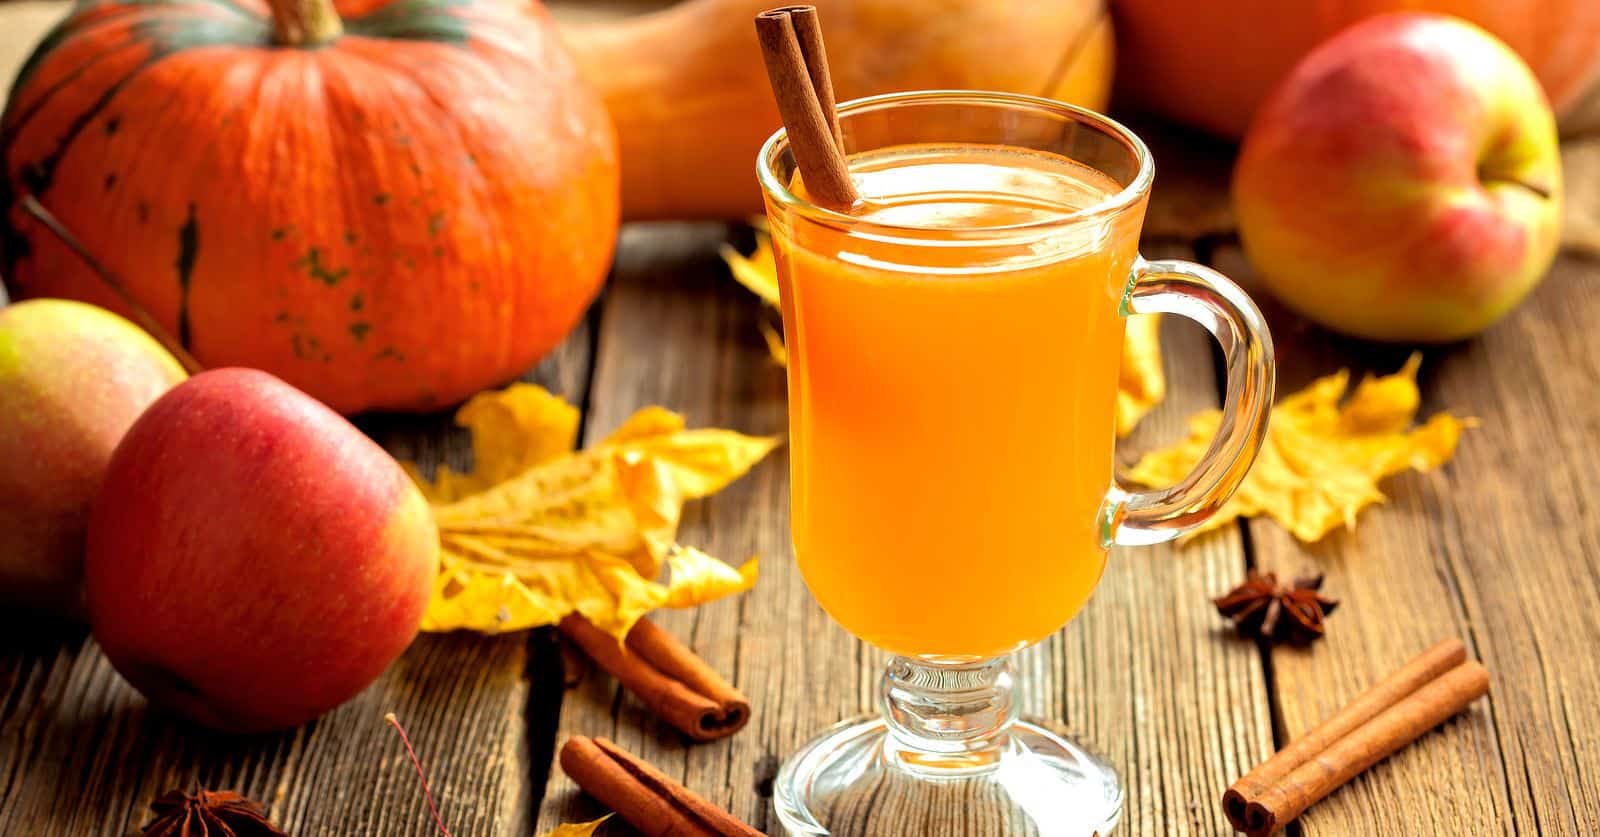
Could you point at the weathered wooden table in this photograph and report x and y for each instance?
(1501, 547)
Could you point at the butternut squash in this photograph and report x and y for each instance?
(688, 92)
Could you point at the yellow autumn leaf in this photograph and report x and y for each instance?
(1142, 384)
(512, 430)
(775, 347)
(1321, 461)
(696, 576)
(757, 271)
(576, 829)
(648, 423)
(589, 531)
(698, 463)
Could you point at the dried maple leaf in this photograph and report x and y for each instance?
(1321, 462)
(1262, 608)
(207, 813)
(1142, 384)
(588, 531)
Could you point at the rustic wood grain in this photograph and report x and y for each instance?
(1145, 676)
(1148, 675)
(676, 331)
(1501, 547)
(81, 753)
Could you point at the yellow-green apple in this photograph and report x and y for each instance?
(1403, 183)
(73, 377)
(254, 560)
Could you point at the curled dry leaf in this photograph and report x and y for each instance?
(556, 531)
(1142, 383)
(1321, 462)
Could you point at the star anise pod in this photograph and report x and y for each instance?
(1262, 608)
(207, 813)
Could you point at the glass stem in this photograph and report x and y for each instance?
(946, 717)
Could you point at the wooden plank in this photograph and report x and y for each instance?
(1144, 676)
(1501, 548)
(82, 753)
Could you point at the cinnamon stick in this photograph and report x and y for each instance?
(1390, 690)
(808, 31)
(1391, 729)
(804, 92)
(675, 683)
(642, 795)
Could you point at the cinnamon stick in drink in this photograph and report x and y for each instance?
(643, 795)
(1368, 744)
(1413, 675)
(804, 92)
(808, 31)
(675, 683)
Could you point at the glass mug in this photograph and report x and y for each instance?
(954, 348)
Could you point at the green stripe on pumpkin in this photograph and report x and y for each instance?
(415, 20)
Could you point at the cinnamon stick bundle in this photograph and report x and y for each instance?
(642, 795)
(797, 66)
(675, 683)
(1418, 697)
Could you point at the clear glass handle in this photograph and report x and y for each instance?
(1137, 518)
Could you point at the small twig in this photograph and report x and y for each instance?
(421, 776)
(32, 206)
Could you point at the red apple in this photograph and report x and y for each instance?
(254, 560)
(73, 377)
(1403, 183)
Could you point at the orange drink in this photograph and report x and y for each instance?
(954, 339)
(953, 417)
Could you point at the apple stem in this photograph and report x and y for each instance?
(421, 776)
(31, 205)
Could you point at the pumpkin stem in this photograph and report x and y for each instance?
(304, 23)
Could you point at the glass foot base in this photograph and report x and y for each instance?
(853, 780)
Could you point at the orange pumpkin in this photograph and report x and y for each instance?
(388, 203)
(1211, 63)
